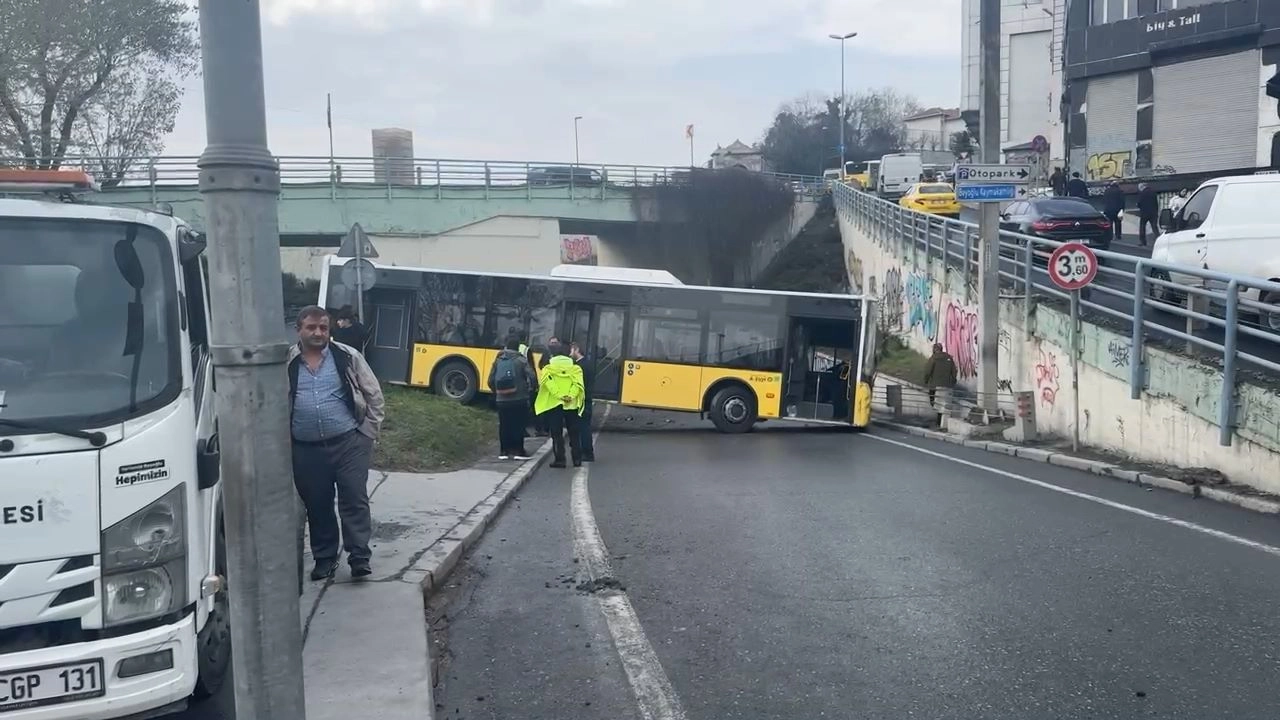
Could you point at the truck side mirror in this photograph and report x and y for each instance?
(208, 462)
(1166, 220)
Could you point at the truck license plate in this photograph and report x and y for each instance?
(50, 684)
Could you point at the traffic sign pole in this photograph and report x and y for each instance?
(1075, 370)
(1072, 266)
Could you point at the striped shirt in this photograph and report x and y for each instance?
(320, 409)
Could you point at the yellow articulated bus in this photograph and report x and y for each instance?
(736, 356)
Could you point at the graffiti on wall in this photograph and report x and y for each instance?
(1113, 165)
(1119, 352)
(960, 338)
(1047, 379)
(854, 264)
(891, 304)
(578, 249)
(920, 313)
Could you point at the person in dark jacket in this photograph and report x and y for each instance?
(513, 383)
(584, 422)
(1113, 206)
(349, 330)
(1148, 213)
(1077, 187)
(1058, 181)
(940, 374)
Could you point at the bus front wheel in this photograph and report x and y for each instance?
(733, 409)
(456, 380)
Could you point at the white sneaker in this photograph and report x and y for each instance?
(524, 457)
(504, 457)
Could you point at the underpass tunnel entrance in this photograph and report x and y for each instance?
(820, 354)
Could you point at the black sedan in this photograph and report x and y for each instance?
(1059, 218)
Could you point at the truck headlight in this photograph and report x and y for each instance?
(144, 567)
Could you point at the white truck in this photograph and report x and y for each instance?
(113, 597)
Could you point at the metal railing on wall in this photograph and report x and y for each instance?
(1231, 321)
(438, 175)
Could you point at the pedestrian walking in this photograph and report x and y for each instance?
(1113, 207)
(513, 383)
(586, 442)
(1077, 187)
(1058, 181)
(335, 412)
(560, 401)
(1148, 213)
(349, 330)
(940, 375)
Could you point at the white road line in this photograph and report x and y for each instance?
(654, 694)
(1269, 549)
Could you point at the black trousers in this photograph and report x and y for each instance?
(340, 464)
(585, 442)
(512, 417)
(562, 422)
(1143, 222)
(1117, 231)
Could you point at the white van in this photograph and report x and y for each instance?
(1229, 225)
(898, 172)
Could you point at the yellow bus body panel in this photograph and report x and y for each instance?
(662, 385)
(427, 357)
(766, 385)
(862, 406)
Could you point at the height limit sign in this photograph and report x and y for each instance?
(1072, 266)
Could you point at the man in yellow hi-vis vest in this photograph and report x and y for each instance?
(561, 398)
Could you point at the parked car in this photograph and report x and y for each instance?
(1058, 218)
(1229, 225)
(564, 175)
(935, 198)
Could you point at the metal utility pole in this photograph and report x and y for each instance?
(240, 182)
(989, 222)
(577, 158)
(842, 38)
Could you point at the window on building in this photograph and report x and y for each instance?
(1109, 11)
(666, 335)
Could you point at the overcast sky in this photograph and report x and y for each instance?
(502, 79)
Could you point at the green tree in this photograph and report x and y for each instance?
(962, 144)
(805, 135)
(65, 63)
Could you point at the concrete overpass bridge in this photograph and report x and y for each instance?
(495, 215)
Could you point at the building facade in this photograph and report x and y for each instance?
(932, 129)
(393, 156)
(1172, 92)
(1031, 47)
(737, 155)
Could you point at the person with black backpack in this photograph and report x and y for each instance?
(513, 382)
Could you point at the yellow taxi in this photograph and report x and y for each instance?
(935, 198)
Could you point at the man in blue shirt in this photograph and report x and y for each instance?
(335, 411)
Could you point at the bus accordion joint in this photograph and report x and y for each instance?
(37, 182)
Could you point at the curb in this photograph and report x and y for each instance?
(1097, 467)
(441, 557)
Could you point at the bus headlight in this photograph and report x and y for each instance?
(144, 561)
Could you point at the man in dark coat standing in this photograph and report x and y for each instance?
(1148, 212)
(1113, 207)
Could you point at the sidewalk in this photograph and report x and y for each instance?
(365, 643)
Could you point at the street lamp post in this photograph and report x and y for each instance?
(577, 158)
(842, 38)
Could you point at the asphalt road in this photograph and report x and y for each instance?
(801, 573)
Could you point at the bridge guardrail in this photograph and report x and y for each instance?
(583, 180)
(1230, 320)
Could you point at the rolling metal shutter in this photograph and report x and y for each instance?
(1206, 114)
(1111, 114)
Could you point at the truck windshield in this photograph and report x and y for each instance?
(87, 336)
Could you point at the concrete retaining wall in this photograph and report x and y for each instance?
(1173, 423)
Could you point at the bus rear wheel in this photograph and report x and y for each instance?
(733, 409)
(456, 380)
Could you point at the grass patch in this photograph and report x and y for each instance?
(901, 361)
(428, 433)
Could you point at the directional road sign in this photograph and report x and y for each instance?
(357, 239)
(978, 174)
(991, 192)
(1072, 266)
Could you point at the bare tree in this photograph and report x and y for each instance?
(127, 122)
(59, 57)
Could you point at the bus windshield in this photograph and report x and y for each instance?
(80, 346)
